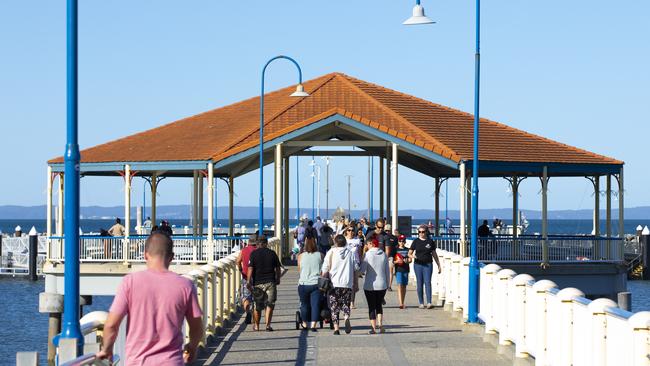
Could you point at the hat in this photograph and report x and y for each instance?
(401, 238)
(388, 227)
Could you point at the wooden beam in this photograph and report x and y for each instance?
(359, 143)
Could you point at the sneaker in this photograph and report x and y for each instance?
(336, 332)
(348, 327)
(429, 306)
(390, 289)
(249, 317)
(421, 306)
(401, 306)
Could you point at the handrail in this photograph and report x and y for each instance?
(91, 359)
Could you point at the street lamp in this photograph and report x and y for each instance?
(300, 92)
(327, 185)
(419, 18)
(315, 174)
(70, 327)
(349, 176)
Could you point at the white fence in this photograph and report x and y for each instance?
(15, 255)
(556, 327)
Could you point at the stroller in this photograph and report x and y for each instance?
(325, 314)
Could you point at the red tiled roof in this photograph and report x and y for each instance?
(225, 131)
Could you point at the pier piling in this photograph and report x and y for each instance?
(33, 254)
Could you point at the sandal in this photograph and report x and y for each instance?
(372, 331)
(269, 329)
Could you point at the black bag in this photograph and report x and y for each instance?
(324, 284)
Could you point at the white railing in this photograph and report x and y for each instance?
(105, 249)
(556, 327)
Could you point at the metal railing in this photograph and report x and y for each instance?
(556, 327)
(106, 249)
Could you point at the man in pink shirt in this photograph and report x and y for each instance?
(156, 301)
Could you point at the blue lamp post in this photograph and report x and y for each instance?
(419, 18)
(70, 324)
(300, 92)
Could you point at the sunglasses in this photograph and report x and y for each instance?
(422, 232)
(349, 230)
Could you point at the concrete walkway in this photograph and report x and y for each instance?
(413, 337)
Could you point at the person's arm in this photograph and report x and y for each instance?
(326, 263)
(249, 277)
(111, 328)
(411, 254)
(238, 261)
(196, 333)
(435, 258)
(298, 260)
(278, 270)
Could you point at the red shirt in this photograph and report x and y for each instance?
(245, 258)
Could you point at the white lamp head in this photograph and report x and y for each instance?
(418, 17)
(300, 92)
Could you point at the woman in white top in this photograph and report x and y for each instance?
(341, 265)
(375, 267)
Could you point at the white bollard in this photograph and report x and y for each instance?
(540, 299)
(221, 291)
(209, 313)
(504, 277)
(597, 354)
(185, 325)
(517, 314)
(464, 286)
(442, 291)
(457, 269)
(562, 339)
(487, 297)
(640, 324)
(447, 271)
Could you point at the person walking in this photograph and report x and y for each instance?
(326, 238)
(341, 265)
(378, 233)
(263, 277)
(309, 264)
(376, 271)
(242, 261)
(157, 302)
(356, 245)
(402, 269)
(423, 253)
(318, 225)
(391, 246)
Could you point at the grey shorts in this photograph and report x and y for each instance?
(265, 295)
(245, 292)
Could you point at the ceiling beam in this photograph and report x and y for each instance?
(360, 143)
(333, 153)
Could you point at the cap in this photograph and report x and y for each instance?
(401, 238)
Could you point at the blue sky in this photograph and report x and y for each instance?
(572, 71)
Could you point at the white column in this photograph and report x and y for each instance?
(596, 206)
(199, 206)
(49, 203)
(211, 244)
(195, 198)
(463, 205)
(231, 200)
(393, 197)
(621, 213)
(59, 208)
(127, 200)
(545, 216)
(278, 191)
(388, 185)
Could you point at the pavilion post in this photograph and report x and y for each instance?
(437, 206)
(545, 259)
(285, 220)
(211, 212)
(231, 199)
(59, 207)
(381, 187)
(596, 225)
(514, 184)
(48, 225)
(278, 191)
(463, 207)
(127, 201)
(608, 216)
(394, 168)
(195, 198)
(388, 185)
(154, 193)
(621, 213)
(468, 192)
(199, 205)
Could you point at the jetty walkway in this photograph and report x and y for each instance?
(413, 337)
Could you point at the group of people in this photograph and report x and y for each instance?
(373, 257)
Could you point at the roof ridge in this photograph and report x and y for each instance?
(487, 120)
(396, 115)
(327, 77)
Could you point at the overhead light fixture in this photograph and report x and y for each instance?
(418, 16)
(300, 92)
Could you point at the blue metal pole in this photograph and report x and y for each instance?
(261, 208)
(372, 173)
(313, 188)
(447, 206)
(70, 325)
(297, 187)
(473, 264)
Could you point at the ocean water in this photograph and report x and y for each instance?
(568, 227)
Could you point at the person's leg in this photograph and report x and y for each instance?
(419, 277)
(428, 271)
(346, 297)
(402, 294)
(380, 309)
(372, 309)
(271, 297)
(334, 308)
(259, 297)
(391, 269)
(304, 304)
(314, 296)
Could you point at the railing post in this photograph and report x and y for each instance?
(640, 324)
(210, 270)
(226, 288)
(186, 326)
(448, 275)
(201, 287)
(457, 271)
(541, 312)
(517, 313)
(597, 353)
(464, 286)
(233, 283)
(564, 326)
(440, 280)
(487, 296)
(504, 277)
(219, 275)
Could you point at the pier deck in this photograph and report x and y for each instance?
(413, 337)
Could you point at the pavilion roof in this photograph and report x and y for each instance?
(225, 131)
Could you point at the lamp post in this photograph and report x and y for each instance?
(349, 202)
(70, 328)
(315, 174)
(300, 92)
(327, 185)
(297, 188)
(419, 18)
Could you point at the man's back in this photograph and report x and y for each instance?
(116, 230)
(264, 262)
(156, 303)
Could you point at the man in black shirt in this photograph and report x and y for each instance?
(263, 277)
(379, 234)
(485, 247)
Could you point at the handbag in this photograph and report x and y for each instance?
(324, 282)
